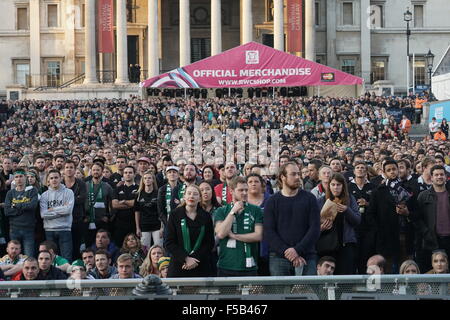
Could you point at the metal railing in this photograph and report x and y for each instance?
(311, 287)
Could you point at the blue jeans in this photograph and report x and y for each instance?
(64, 241)
(283, 267)
(26, 237)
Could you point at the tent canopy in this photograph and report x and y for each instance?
(252, 65)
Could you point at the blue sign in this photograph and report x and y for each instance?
(440, 110)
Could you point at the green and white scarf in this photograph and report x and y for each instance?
(187, 239)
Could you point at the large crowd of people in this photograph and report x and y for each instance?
(90, 190)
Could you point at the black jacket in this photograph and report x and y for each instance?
(174, 243)
(53, 274)
(425, 220)
(80, 193)
(384, 222)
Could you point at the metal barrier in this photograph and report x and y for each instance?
(247, 288)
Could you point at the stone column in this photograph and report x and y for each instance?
(90, 63)
(310, 32)
(216, 27)
(278, 25)
(246, 21)
(185, 33)
(35, 44)
(122, 48)
(331, 34)
(69, 63)
(365, 41)
(153, 39)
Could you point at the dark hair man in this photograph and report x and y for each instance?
(433, 218)
(390, 206)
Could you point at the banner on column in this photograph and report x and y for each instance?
(105, 29)
(295, 23)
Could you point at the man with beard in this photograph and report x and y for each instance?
(223, 194)
(39, 163)
(123, 201)
(433, 217)
(291, 226)
(58, 162)
(99, 196)
(78, 187)
(189, 175)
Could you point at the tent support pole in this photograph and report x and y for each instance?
(185, 93)
(229, 92)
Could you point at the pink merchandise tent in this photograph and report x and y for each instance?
(253, 65)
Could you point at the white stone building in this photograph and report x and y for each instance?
(42, 42)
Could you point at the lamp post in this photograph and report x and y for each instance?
(407, 16)
(429, 59)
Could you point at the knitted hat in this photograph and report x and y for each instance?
(163, 262)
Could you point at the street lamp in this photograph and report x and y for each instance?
(407, 16)
(429, 59)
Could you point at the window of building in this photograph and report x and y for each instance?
(321, 59)
(348, 65)
(83, 15)
(377, 16)
(347, 13)
(22, 19)
(53, 73)
(378, 69)
(52, 16)
(131, 11)
(200, 48)
(418, 16)
(267, 40)
(22, 73)
(317, 13)
(269, 10)
(420, 71)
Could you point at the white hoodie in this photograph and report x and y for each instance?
(56, 209)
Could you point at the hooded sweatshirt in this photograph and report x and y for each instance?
(22, 215)
(56, 209)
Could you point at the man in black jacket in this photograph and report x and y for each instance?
(20, 207)
(46, 270)
(387, 215)
(79, 225)
(433, 218)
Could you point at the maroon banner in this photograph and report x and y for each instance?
(295, 23)
(105, 26)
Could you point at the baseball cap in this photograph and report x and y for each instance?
(172, 168)
(144, 159)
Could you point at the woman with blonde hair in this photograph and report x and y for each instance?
(150, 264)
(190, 237)
(148, 225)
(409, 267)
(439, 261)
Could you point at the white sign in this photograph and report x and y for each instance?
(252, 57)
